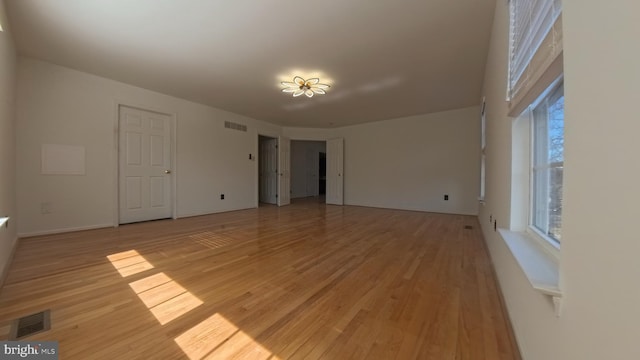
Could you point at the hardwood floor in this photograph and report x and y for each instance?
(305, 281)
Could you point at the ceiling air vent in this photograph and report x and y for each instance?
(235, 126)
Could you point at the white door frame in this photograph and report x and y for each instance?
(276, 135)
(256, 159)
(335, 176)
(116, 152)
(326, 141)
(284, 171)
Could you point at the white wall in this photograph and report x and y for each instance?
(599, 265)
(602, 244)
(304, 167)
(411, 163)
(310, 133)
(7, 142)
(58, 105)
(427, 156)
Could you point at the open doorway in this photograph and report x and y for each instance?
(267, 170)
(308, 169)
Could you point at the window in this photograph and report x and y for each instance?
(536, 93)
(536, 98)
(547, 164)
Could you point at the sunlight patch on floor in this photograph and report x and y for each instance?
(129, 263)
(217, 338)
(164, 297)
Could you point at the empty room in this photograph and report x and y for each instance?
(353, 179)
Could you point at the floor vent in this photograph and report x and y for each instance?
(468, 227)
(31, 324)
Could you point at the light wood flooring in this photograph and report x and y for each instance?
(305, 281)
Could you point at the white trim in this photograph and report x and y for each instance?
(540, 268)
(552, 246)
(63, 230)
(256, 167)
(549, 166)
(194, 214)
(548, 244)
(4, 272)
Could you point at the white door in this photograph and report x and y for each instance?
(268, 170)
(284, 169)
(144, 165)
(335, 164)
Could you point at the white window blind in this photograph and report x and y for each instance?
(535, 59)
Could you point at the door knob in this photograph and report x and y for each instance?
(167, 171)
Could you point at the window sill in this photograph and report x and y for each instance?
(540, 267)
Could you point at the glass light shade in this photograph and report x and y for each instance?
(301, 86)
(298, 80)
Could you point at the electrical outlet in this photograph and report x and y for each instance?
(446, 197)
(221, 196)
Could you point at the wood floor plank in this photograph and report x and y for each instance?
(305, 281)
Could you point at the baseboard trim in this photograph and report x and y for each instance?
(63, 230)
(7, 265)
(410, 209)
(188, 215)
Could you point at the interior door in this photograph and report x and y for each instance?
(268, 170)
(144, 165)
(335, 164)
(284, 169)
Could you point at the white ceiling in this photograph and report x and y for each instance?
(383, 58)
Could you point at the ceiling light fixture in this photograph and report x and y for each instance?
(301, 86)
